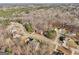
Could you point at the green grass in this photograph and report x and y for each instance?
(5, 22)
(16, 11)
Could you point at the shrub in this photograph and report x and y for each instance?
(8, 50)
(28, 27)
(71, 43)
(19, 21)
(50, 34)
(62, 38)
